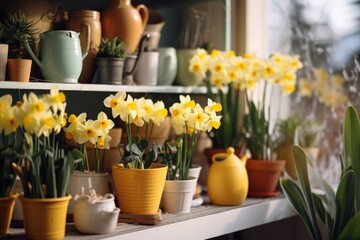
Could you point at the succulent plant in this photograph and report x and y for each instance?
(16, 28)
(112, 48)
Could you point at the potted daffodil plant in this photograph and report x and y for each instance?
(232, 75)
(138, 179)
(91, 139)
(188, 119)
(45, 166)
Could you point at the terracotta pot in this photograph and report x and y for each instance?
(139, 191)
(45, 218)
(6, 211)
(87, 23)
(264, 177)
(123, 20)
(19, 70)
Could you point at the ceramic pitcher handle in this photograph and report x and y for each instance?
(144, 13)
(87, 29)
(218, 155)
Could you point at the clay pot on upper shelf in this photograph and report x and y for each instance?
(126, 22)
(264, 177)
(87, 23)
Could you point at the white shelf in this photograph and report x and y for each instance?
(202, 222)
(103, 87)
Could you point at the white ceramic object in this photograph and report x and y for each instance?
(177, 196)
(167, 66)
(147, 69)
(87, 181)
(194, 171)
(95, 216)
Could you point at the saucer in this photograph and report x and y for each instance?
(263, 194)
(197, 202)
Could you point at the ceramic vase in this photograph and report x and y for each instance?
(183, 76)
(167, 66)
(4, 48)
(126, 22)
(264, 177)
(110, 70)
(139, 191)
(178, 194)
(6, 211)
(80, 181)
(87, 23)
(45, 218)
(147, 69)
(95, 216)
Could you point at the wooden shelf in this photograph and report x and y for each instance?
(104, 88)
(202, 222)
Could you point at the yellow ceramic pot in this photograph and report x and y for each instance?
(139, 191)
(228, 181)
(6, 211)
(45, 218)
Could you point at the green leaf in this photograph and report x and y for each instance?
(351, 131)
(296, 199)
(345, 202)
(351, 230)
(302, 172)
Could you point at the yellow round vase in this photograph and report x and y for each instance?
(139, 191)
(6, 211)
(45, 218)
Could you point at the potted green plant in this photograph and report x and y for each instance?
(10, 149)
(110, 60)
(4, 48)
(138, 179)
(329, 214)
(188, 119)
(91, 139)
(45, 166)
(17, 29)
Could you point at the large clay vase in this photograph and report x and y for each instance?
(87, 23)
(126, 22)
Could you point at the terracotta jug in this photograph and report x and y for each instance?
(228, 181)
(123, 20)
(87, 23)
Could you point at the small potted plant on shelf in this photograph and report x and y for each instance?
(17, 29)
(4, 48)
(91, 139)
(188, 119)
(329, 214)
(138, 179)
(45, 166)
(110, 60)
(10, 149)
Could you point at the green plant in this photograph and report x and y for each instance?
(17, 29)
(231, 75)
(285, 130)
(308, 134)
(45, 167)
(89, 132)
(188, 119)
(10, 147)
(139, 154)
(112, 48)
(330, 215)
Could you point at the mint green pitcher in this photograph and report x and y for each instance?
(60, 57)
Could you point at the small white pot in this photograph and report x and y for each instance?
(178, 195)
(97, 216)
(87, 180)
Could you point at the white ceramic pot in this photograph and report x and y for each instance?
(97, 216)
(194, 171)
(87, 180)
(178, 195)
(147, 69)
